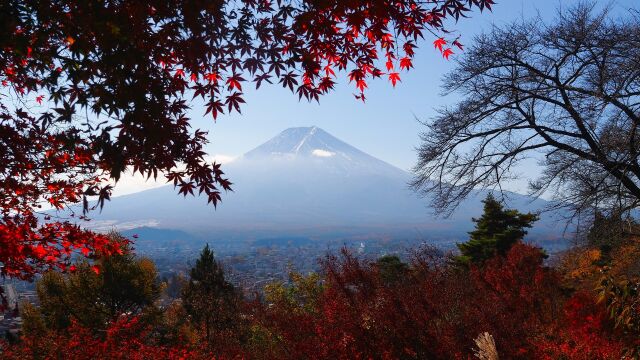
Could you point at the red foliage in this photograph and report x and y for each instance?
(124, 339)
(432, 311)
(32, 172)
(27, 250)
(585, 333)
(518, 298)
(436, 312)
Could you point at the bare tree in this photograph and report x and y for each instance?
(567, 94)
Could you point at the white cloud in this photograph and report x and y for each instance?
(221, 158)
(130, 184)
(322, 153)
(105, 226)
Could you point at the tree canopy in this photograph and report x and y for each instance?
(92, 88)
(124, 285)
(497, 230)
(566, 93)
(209, 299)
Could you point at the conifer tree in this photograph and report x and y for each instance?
(496, 231)
(209, 299)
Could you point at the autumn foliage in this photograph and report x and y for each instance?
(586, 332)
(437, 311)
(124, 339)
(434, 310)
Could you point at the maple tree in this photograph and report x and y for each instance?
(436, 312)
(605, 267)
(91, 89)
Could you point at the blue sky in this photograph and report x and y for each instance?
(385, 126)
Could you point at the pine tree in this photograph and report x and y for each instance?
(496, 231)
(208, 298)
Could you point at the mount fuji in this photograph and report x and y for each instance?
(306, 182)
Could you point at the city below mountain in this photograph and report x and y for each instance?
(306, 183)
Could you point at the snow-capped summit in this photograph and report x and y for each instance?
(304, 141)
(312, 145)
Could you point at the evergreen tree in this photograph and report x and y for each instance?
(496, 231)
(209, 299)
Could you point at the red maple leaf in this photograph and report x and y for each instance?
(234, 82)
(389, 64)
(446, 53)
(39, 251)
(439, 43)
(215, 107)
(394, 77)
(405, 63)
(233, 101)
(361, 84)
(212, 77)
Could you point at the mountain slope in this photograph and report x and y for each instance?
(304, 181)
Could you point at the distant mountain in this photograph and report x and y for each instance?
(312, 147)
(305, 182)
